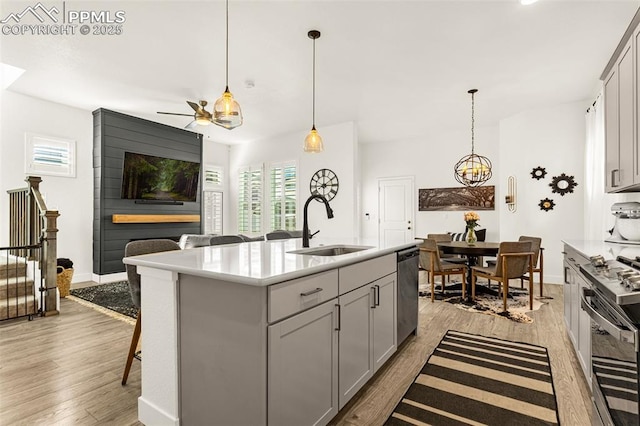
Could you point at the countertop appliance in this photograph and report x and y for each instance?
(613, 303)
(626, 229)
(407, 293)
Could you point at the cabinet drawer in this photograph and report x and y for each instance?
(354, 276)
(574, 258)
(297, 295)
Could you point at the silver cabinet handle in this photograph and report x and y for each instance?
(613, 177)
(310, 292)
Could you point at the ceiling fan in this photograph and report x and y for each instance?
(201, 117)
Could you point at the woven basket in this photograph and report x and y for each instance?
(64, 280)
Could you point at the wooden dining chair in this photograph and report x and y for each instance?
(514, 259)
(431, 262)
(137, 248)
(538, 261)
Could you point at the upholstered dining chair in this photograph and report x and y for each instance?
(225, 239)
(538, 260)
(514, 259)
(137, 248)
(431, 262)
(281, 234)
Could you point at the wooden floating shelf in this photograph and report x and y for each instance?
(155, 218)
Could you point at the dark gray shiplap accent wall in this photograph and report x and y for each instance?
(114, 133)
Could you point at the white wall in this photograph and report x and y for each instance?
(430, 161)
(553, 138)
(72, 197)
(339, 155)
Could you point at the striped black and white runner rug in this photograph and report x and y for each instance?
(618, 381)
(471, 379)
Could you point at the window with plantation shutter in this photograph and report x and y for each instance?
(48, 155)
(250, 200)
(213, 176)
(212, 201)
(283, 191)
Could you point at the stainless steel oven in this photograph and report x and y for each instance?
(614, 361)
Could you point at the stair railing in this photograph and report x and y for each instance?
(31, 223)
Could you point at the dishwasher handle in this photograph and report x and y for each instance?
(408, 254)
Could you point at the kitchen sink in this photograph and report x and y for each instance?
(335, 250)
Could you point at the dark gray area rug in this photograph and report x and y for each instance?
(114, 296)
(472, 379)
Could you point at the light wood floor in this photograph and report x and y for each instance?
(67, 369)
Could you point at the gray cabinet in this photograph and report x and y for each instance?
(367, 333)
(303, 368)
(621, 118)
(356, 340)
(384, 317)
(328, 335)
(577, 321)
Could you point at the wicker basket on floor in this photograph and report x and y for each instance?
(64, 280)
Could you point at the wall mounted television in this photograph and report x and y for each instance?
(150, 178)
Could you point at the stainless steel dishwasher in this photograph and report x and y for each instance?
(407, 295)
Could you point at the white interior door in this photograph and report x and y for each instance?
(395, 211)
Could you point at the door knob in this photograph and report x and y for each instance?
(408, 227)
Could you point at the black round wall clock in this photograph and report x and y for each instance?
(325, 183)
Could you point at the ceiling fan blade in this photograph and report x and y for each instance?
(191, 125)
(175, 113)
(195, 106)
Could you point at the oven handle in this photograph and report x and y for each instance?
(609, 327)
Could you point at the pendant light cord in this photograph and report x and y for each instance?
(313, 106)
(472, 123)
(227, 50)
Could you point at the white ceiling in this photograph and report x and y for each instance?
(399, 69)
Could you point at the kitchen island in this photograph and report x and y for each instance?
(254, 334)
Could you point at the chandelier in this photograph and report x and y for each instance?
(473, 169)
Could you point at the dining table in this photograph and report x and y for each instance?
(471, 252)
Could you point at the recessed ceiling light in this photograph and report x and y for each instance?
(527, 2)
(9, 74)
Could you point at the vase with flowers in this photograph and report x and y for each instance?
(471, 218)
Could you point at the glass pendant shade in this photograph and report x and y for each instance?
(473, 170)
(226, 111)
(313, 141)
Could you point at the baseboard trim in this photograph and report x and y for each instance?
(149, 414)
(109, 278)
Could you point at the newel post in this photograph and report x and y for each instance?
(50, 247)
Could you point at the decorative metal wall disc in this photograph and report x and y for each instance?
(562, 184)
(538, 173)
(546, 204)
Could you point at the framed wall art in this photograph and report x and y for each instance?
(460, 198)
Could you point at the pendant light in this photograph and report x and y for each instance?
(226, 111)
(473, 169)
(313, 141)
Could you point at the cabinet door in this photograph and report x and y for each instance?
(303, 368)
(567, 295)
(612, 147)
(356, 336)
(384, 320)
(575, 309)
(626, 119)
(584, 327)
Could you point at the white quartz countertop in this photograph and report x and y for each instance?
(609, 251)
(260, 263)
